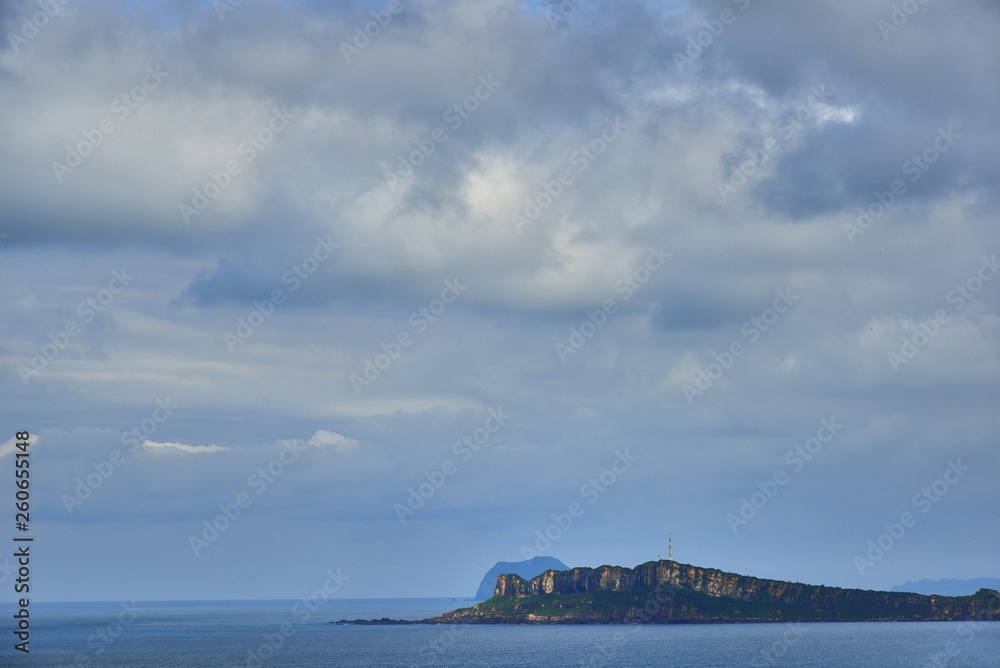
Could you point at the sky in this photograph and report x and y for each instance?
(398, 290)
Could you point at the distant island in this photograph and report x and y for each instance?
(949, 587)
(667, 591)
(659, 592)
(525, 569)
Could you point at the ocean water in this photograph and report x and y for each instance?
(287, 634)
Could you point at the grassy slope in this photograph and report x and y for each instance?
(693, 606)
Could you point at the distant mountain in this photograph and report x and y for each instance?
(949, 587)
(525, 569)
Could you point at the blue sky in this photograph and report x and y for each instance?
(497, 279)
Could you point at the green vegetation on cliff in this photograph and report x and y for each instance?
(666, 591)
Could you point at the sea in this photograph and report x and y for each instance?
(296, 634)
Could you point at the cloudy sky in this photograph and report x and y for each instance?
(404, 289)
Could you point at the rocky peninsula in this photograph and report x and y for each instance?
(659, 592)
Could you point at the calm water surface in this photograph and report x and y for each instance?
(285, 633)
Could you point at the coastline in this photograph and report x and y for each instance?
(668, 592)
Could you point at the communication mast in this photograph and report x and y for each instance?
(670, 546)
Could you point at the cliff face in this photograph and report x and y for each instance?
(525, 569)
(667, 591)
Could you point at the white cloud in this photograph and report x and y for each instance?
(8, 447)
(185, 448)
(324, 439)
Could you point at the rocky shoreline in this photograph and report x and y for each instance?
(665, 591)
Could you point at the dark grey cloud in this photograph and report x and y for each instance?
(843, 166)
